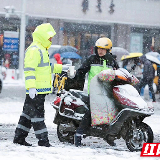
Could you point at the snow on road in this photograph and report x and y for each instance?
(93, 149)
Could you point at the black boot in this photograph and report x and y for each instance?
(110, 140)
(21, 142)
(77, 139)
(44, 142)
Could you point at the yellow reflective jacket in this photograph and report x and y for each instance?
(37, 68)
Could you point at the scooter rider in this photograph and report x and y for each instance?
(94, 64)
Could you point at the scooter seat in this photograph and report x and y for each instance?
(79, 94)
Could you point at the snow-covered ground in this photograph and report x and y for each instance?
(93, 149)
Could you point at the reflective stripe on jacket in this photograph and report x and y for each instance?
(37, 67)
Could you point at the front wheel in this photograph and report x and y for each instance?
(64, 136)
(135, 138)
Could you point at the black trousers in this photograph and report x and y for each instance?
(144, 82)
(86, 121)
(32, 115)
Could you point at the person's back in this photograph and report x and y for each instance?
(148, 76)
(148, 71)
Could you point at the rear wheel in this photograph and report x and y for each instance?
(135, 138)
(64, 136)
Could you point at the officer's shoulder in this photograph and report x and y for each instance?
(32, 52)
(32, 49)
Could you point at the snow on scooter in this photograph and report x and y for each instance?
(117, 110)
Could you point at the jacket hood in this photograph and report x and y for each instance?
(42, 33)
(143, 59)
(58, 58)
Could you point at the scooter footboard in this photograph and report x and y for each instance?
(125, 114)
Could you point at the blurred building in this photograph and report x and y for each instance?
(131, 24)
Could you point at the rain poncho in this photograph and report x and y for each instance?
(37, 66)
